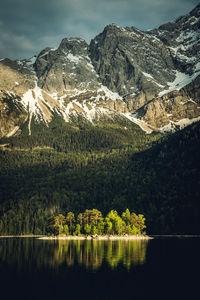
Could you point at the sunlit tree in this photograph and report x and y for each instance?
(126, 216)
(87, 229)
(77, 230)
(59, 220)
(118, 225)
(70, 219)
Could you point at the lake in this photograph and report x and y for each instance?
(162, 268)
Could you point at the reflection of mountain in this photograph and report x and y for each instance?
(89, 254)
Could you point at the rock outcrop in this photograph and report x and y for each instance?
(173, 110)
(12, 114)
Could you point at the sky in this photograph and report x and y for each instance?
(28, 26)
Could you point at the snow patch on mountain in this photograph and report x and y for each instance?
(31, 61)
(34, 103)
(180, 81)
(147, 75)
(150, 78)
(75, 59)
(108, 93)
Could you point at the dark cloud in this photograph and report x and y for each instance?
(27, 26)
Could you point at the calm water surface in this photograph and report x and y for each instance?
(163, 268)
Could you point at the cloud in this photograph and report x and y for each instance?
(28, 26)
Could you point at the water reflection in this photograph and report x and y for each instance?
(89, 254)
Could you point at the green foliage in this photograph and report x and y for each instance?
(93, 223)
(126, 216)
(87, 229)
(77, 231)
(66, 229)
(70, 219)
(118, 225)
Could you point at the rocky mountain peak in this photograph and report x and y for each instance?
(196, 11)
(76, 46)
(65, 68)
(130, 61)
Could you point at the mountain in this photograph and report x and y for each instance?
(150, 78)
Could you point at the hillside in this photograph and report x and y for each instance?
(156, 176)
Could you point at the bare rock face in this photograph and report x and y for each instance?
(172, 107)
(15, 79)
(192, 90)
(182, 40)
(12, 114)
(16, 76)
(66, 68)
(134, 102)
(131, 61)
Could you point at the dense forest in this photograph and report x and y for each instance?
(108, 166)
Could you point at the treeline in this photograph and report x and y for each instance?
(82, 136)
(91, 222)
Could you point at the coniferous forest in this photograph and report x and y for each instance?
(108, 166)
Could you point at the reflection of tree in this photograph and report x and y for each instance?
(90, 253)
(135, 253)
(24, 252)
(114, 253)
(128, 252)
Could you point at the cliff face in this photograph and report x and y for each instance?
(148, 77)
(66, 68)
(15, 79)
(130, 61)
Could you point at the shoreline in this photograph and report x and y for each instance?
(103, 237)
(22, 236)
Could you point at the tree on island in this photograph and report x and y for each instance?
(91, 222)
(70, 220)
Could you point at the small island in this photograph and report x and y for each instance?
(92, 225)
